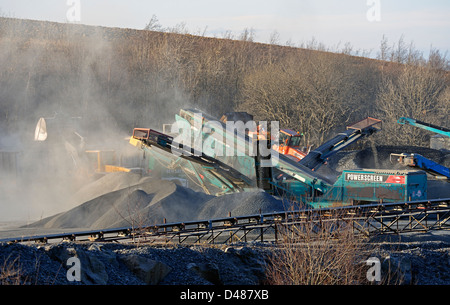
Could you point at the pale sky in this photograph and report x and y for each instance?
(362, 23)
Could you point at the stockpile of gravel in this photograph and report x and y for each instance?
(379, 157)
(108, 183)
(124, 199)
(246, 203)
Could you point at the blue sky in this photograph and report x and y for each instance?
(332, 22)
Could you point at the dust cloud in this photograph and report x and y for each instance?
(78, 80)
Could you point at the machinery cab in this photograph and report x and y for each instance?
(289, 144)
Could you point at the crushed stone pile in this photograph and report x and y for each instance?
(379, 158)
(125, 199)
(246, 203)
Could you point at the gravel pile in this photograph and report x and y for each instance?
(142, 202)
(122, 199)
(379, 158)
(246, 203)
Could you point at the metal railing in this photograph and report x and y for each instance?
(368, 220)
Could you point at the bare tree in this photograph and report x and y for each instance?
(383, 54)
(313, 93)
(319, 252)
(248, 34)
(418, 92)
(274, 37)
(153, 24)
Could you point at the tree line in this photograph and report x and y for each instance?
(123, 78)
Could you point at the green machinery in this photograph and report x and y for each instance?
(230, 160)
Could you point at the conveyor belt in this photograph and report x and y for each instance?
(371, 219)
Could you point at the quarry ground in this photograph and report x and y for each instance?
(126, 199)
(423, 262)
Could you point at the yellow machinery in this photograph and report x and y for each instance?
(61, 134)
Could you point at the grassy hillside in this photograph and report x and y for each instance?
(121, 78)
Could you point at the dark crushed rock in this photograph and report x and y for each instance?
(380, 157)
(42, 265)
(29, 265)
(417, 263)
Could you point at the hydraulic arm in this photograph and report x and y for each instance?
(416, 160)
(427, 126)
